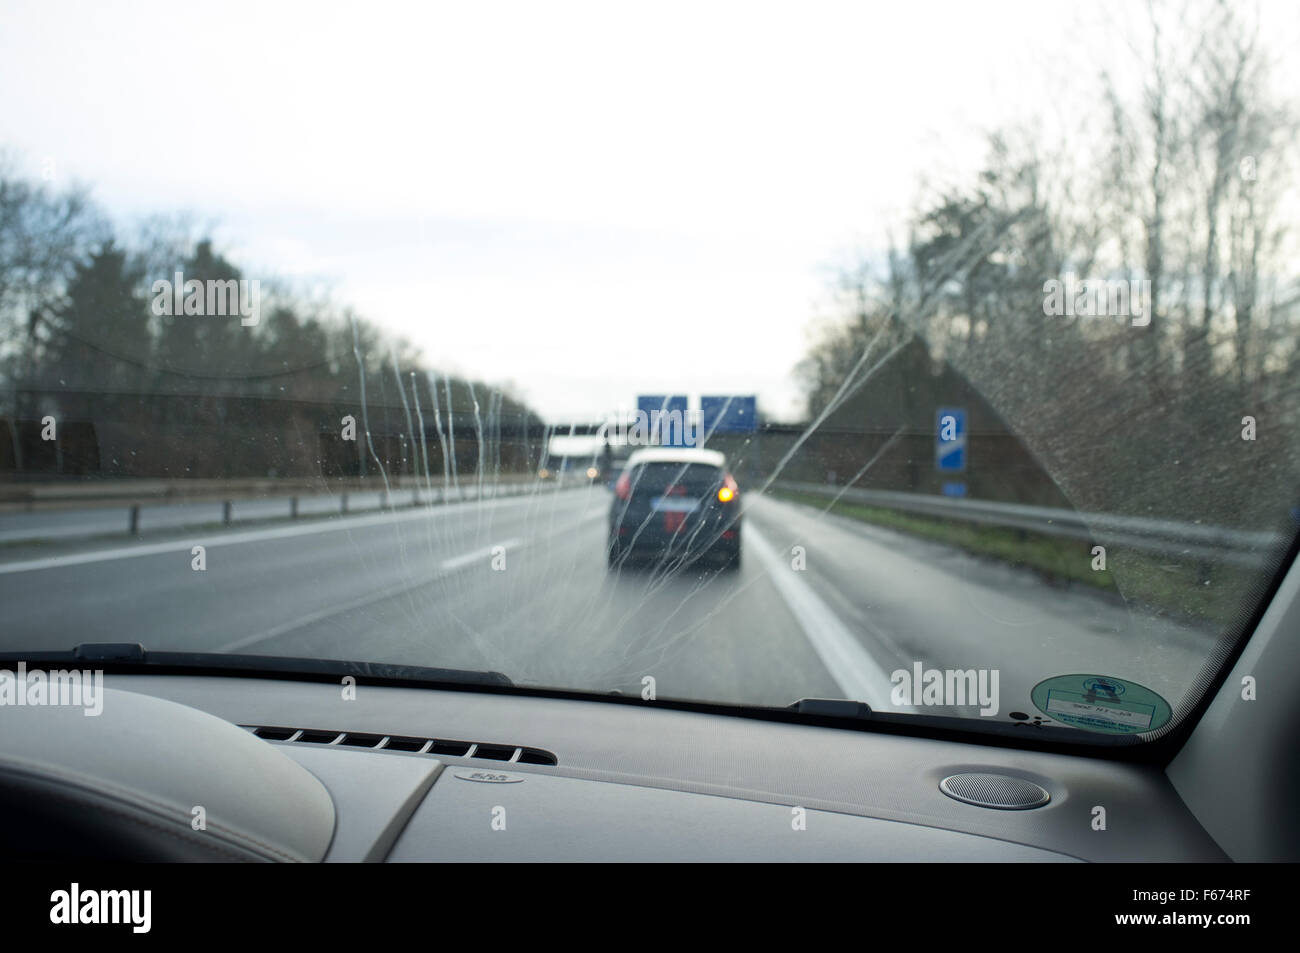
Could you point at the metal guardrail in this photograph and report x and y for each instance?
(72, 494)
(1165, 537)
(132, 517)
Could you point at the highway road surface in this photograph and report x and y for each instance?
(520, 585)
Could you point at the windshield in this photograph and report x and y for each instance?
(961, 362)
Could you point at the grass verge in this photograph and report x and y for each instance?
(1194, 592)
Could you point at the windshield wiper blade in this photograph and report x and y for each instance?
(832, 708)
(133, 655)
(846, 710)
(109, 651)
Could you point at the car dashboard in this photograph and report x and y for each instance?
(282, 769)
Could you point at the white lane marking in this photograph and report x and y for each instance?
(858, 675)
(820, 520)
(446, 567)
(247, 536)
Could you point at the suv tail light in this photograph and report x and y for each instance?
(728, 491)
(623, 488)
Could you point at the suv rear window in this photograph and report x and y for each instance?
(698, 478)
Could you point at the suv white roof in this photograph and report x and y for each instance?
(678, 455)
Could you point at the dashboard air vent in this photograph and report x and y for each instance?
(487, 751)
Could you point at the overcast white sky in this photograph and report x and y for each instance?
(588, 200)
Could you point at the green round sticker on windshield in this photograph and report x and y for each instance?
(1101, 703)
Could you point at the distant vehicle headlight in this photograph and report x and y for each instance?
(592, 473)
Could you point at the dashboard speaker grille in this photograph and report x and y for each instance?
(997, 791)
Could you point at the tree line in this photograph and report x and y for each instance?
(82, 340)
(1181, 179)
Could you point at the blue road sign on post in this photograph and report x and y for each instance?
(950, 440)
(732, 414)
(666, 418)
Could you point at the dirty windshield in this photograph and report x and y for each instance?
(938, 357)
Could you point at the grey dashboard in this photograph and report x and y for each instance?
(634, 782)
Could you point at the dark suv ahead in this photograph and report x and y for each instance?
(675, 503)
